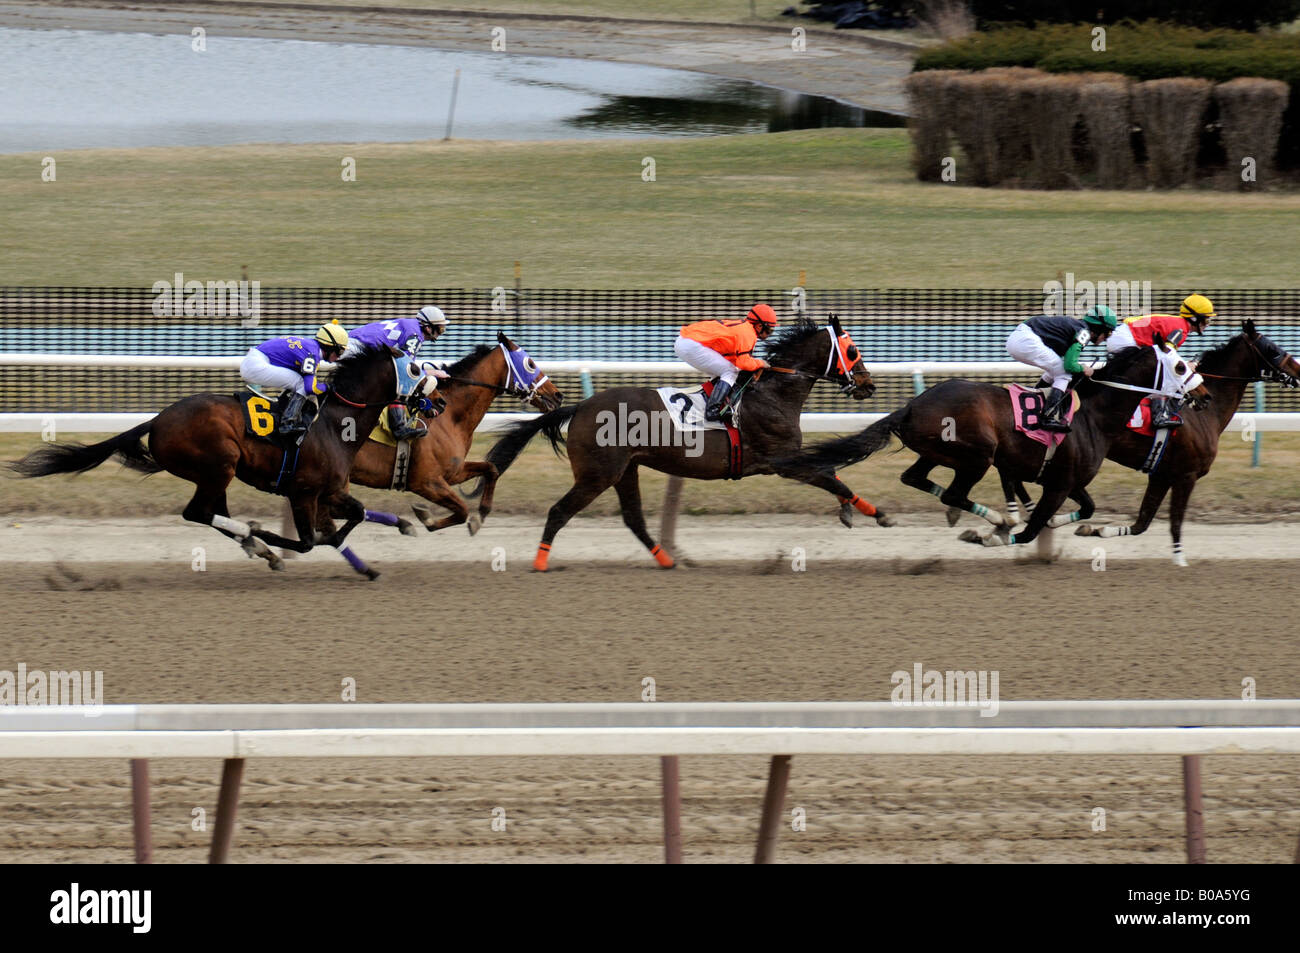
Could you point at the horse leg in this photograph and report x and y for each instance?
(401, 524)
(1086, 508)
(325, 528)
(353, 513)
(1157, 487)
(304, 521)
(1048, 504)
(566, 507)
(629, 500)
(487, 473)
(208, 506)
(956, 498)
(1014, 492)
(439, 493)
(1177, 510)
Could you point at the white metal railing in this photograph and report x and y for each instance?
(237, 732)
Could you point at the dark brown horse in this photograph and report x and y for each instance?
(202, 439)
(1192, 448)
(438, 460)
(968, 426)
(603, 455)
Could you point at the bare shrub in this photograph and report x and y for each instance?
(1107, 115)
(928, 121)
(1171, 112)
(1250, 111)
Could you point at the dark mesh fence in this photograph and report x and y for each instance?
(553, 324)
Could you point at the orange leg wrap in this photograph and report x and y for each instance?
(862, 506)
(543, 554)
(662, 558)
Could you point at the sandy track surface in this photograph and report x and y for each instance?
(700, 541)
(861, 70)
(728, 631)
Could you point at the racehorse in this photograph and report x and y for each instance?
(201, 439)
(801, 355)
(1192, 448)
(438, 460)
(969, 427)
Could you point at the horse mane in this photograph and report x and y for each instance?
(359, 365)
(780, 344)
(1219, 352)
(471, 359)
(1122, 361)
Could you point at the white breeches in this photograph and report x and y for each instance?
(1120, 338)
(1026, 346)
(705, 359)
(256, 368)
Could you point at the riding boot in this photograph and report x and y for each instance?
(1164, 412)
(400, 423)
(714, 409)
(1053, 417)
(291, 424)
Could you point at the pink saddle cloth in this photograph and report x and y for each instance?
(1027, 410)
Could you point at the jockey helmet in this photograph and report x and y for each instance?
(432, 321)
(1100, 316)
(762, 315)
(332, 336)
(1197, 310)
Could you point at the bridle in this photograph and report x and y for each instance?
(844, 379)
(515, 385)
(1265, 370)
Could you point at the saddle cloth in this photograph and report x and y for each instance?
(1027, 405)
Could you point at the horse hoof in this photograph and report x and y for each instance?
(971, 536)
(846, 515)
(406, 527)
(1180, 560)
(883, 520)
(423, 514)
(953, 515)
(474, 523)
(254, 526)
(1085, 529)
(372, 574)
(276, 563)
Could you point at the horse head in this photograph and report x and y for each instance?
(822, 353)
(1271, 362)
(367, 378)
(525, 380)
(1189, 384)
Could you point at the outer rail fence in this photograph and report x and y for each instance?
(555, 325)
(235, 733)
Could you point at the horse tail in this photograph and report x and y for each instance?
(845, 451)
(505, 450)
(78, 457)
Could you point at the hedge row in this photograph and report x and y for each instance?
(1026, 127)
(1145, 51)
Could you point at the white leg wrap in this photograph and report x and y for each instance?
(1106, 532)
(240, 530)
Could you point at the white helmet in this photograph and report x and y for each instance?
(431, 318)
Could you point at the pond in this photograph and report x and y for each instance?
(74, 89)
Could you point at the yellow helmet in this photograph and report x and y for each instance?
(1197, 309)
(332, 335)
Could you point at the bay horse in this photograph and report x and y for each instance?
(438, 460)
(202, 439)
(801, 355)
(1192, 448)
(968, 426)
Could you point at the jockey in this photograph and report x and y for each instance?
(1053, 343)
(403, 337)
(722, 348)
(291, 363)
(1194, 315)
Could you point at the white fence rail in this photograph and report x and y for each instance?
(811, 423)
(237, 732)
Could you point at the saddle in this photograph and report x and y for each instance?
(262, 417)
(685, 407)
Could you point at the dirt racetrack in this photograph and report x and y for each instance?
(726, 631)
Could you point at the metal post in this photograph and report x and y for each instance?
(918, 383)
(668, 518)
(519, 299)
(1259, 436)
(232, 772)
(672, 777)
(1192, 806)
(773, 803)
(140, 826)
(451, 111)
(587, 389)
